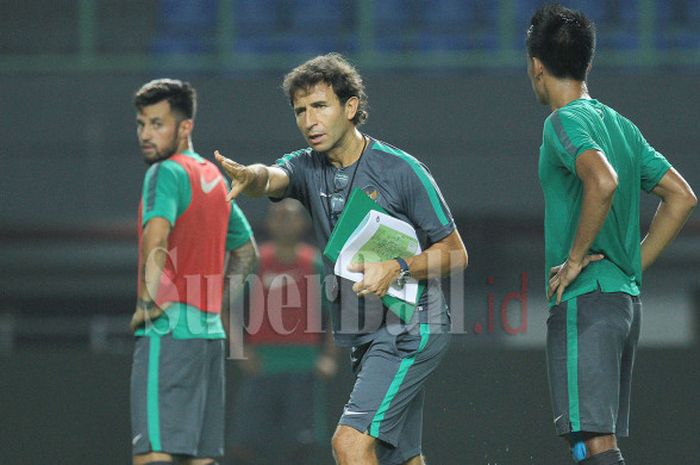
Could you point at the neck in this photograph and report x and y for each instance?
(348, 150)
(185, 145)
(564, 91)
(286, 252)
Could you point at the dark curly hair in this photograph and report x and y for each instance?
(337, 72)
(181, 96)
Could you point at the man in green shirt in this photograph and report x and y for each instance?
(593, 165)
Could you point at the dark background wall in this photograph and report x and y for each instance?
(70, 161)
(479, 134)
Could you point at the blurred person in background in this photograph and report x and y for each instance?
(279, 412)
(392, 359)
(190, 240)
(593, 165)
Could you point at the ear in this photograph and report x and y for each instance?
(186, 127)
(351, 107)
(537, 67)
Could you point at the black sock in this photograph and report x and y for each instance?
(609, 457)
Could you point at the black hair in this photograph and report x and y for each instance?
(563, 39)
(337, 72)
(181, 96)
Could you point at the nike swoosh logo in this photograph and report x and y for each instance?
(558, 418)
(208, 186)
(136, 439)
(351, 413)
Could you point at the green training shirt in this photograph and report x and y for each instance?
(169, 199)
(582, 125)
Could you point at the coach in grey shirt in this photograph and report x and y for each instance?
(382, 421)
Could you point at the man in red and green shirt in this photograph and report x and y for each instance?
(190, 241)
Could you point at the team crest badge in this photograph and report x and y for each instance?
(371, 192)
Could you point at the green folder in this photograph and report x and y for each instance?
(356, 208)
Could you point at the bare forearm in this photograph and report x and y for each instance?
(240, 263)
(441, 259)
(594, 210)
(154, 252)
(665, 226)
(257, 187)
(243, 259)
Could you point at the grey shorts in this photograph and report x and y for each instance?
(387, 399)
(591, 345)
(177, 396)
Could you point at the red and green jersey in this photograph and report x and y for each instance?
(285, 319)
(189, 192)
(582, 125)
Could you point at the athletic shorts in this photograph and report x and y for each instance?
(177, 396)
(284, 409)
(591, 345)
(387, 399)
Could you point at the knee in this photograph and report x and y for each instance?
(349, 445)
(341, 442)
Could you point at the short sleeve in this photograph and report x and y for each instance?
(570, 137)
(166, 192)
(424, 203)
(653, 164)
(239, 230)
(294, 165)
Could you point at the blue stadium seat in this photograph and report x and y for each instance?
(395, 24)
(304, 26)
(186, 27)
(257, 23)
(255, 18)
(323, 25)
(453, 25)
(437, 25)
(619, 25)
(677, 24)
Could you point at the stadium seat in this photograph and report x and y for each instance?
(257, 24)
(395, 25)
(677, 24)
(323, 25)
(304, 26)
(453, 25)
(186, 27)
(619, 25)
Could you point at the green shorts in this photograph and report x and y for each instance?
(591, 346)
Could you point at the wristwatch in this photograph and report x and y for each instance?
(404, 274)
(145, 305)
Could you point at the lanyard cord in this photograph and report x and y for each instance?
(352, 180)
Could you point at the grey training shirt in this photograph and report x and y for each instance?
(404, 187)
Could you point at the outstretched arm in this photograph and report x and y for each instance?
(253, 180)
(677, 202)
